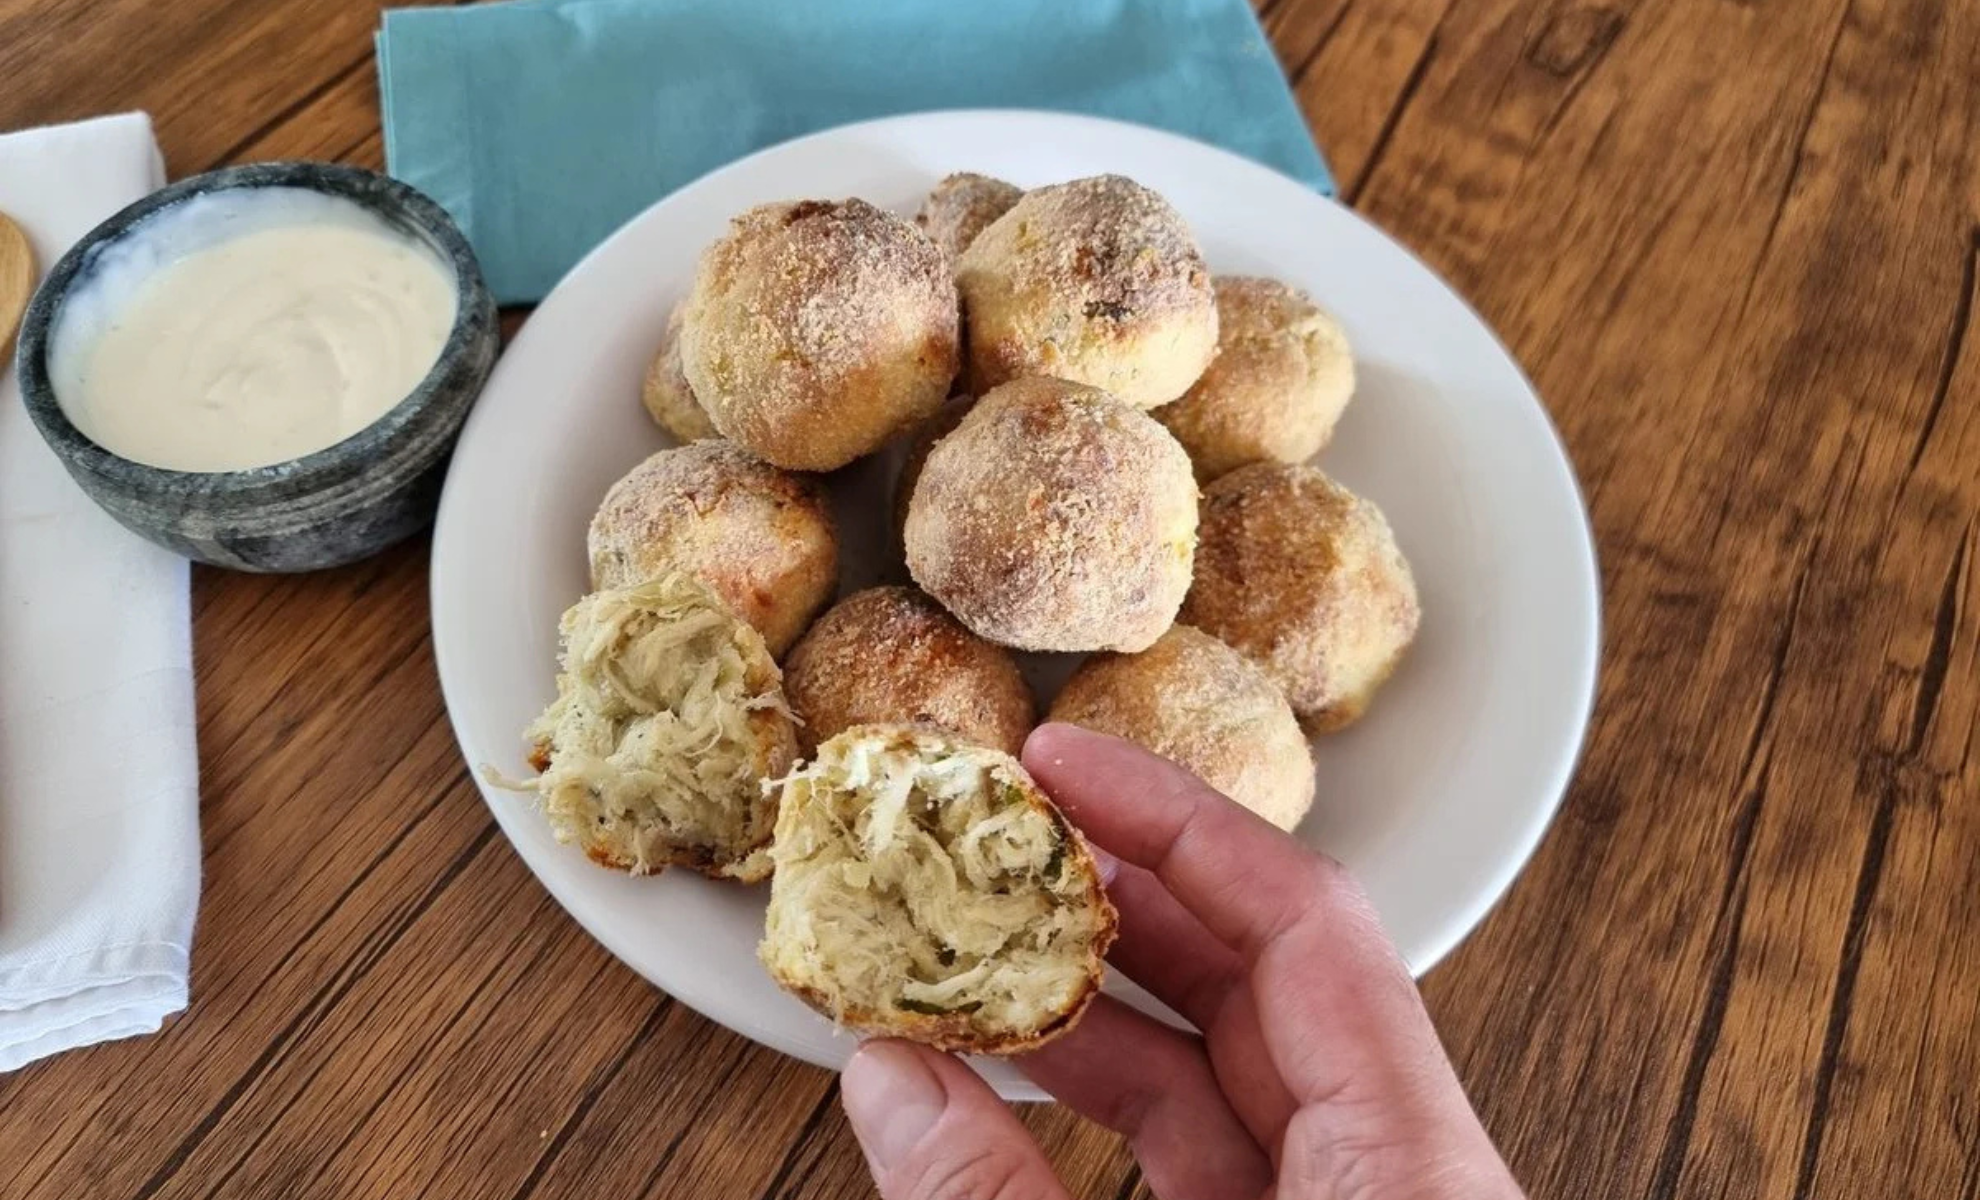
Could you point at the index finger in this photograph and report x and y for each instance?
(1244, 878)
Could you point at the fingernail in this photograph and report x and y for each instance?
(892, 1099)
(1105, 864)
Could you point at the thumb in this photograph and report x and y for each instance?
(933, 1130)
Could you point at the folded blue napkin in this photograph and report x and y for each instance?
(543, 125)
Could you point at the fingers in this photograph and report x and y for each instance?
(932, 1130)
(1401, 1156)
(1152, 1083)
(1328, 1004)
(1248, 1071)
(1241, 876)
(1165, 949)
(1334, 1004)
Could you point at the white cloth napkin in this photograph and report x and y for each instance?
(99, 787)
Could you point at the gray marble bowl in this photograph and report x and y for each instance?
(336, 505)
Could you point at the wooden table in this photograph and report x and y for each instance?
(1734, 243)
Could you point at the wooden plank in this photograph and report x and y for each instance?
(1354, 69)
(212, 75)
(1741, 394)
(338, 123)
(696, 1110)
(1900, 1032)
(825, 1163)
(482, 1025)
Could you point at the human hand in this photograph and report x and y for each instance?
(1318, 1075)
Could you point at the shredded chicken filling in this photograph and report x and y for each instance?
(946, 892)
(651, 741)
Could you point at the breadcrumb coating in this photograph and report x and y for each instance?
(1196, 701)
(891, 655)
(961, 206)
(817, 330)
(1305, 577)
(1055, 518)
(666, 394)
(1281, 379)
(1098, 281)
(762, 538)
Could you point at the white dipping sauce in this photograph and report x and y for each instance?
(247, 327)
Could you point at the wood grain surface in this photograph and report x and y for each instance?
(1732, 241)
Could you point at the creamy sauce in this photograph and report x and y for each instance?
(249, 327)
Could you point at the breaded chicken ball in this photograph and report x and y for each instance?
(1192, 699)
(760, 537)
(668, 719)
(891, 655)
(1097, 281)
(927, 889)
(1304, 577)
(818, 330)
(666, 394)
(1055, 518)
(1282, 376)
(961, 206)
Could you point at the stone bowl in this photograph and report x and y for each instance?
(324, 509)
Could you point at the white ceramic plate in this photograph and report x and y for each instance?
(1435, 799)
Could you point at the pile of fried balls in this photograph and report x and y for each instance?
(1108, 455)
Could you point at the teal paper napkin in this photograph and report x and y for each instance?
(543, 125)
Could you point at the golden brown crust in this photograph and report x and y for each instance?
(952, 1032)
(1055, 518)
(748, 867)
(1304, 577)
(761, 538)
(1281, 379)
(817, 330)
(666, 395)
(963, 205)
(1097, 281)
(1196, 701)
(891, 655)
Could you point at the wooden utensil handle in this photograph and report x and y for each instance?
(16, 280)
